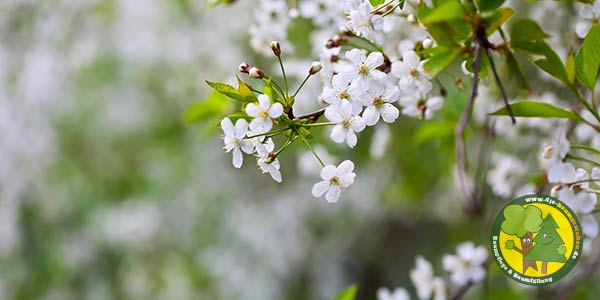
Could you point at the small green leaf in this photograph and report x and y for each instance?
(570, 68)
(244, 91)
(441, 58)
(268, 89)
(489, 5)
(447, 11)
(226, 90)
(497, 19)
(214, 106)
(527, 30)
(348, 294)
(587, 60)
(553, 65)
(534, 109)
(515, 73)
(376, 2)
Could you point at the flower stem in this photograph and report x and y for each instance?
(301, 85)
(285, 145)
(318, 124)
(310, 148)
(391, 10)
(573, 157)
(270, 133)
(285, 81)
(587, 148)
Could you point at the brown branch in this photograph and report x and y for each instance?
(472, 206)
(313, 116)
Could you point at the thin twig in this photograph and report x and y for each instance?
(459, 133)
(313, 116)
(500, 86)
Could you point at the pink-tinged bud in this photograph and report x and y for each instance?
(255, 72)
(346, 31)
(276, 47)
(331, 43)
(244, 67)
(315, 67)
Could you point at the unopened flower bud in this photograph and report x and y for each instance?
(346, 31)
(244, 67)
(411, 18)
(276, 47)
(331, 43)
(427, 43)
(255, 72)
(315, 67)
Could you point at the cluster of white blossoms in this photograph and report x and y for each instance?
(272, 22)
(466, 266)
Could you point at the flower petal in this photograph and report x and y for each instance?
(345, 167)
(370, 115)
(276, 110)
(338, 134)
(328, 172)
(264, 102)
(237, 157)
(241, 128)
(389, 113)
(320, 188)
(351, 138)
(252, 110)
(333, 194)
(227, 127)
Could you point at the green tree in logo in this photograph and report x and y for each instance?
(549, 246)
(522, 222)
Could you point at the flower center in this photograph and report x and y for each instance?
(346, 123)
(334, 181)
(363, 70)
(343, 95)
(414, 72)
(263, 114)
(378, 102)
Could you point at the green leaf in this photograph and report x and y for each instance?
(348, 294)
(534, 109)
(214, 106)
(587, 60)
(570, 68)
(527, 30)
(268, 89)
(515, 73)
(489, 5)
(244, 91)
(553, 65)
(376, 2)
(226, 90)
(441, 58)
(497, 19)
(447, 11)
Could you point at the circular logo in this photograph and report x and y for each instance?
(536, 239)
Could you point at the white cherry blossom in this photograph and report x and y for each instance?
(365, 24)
(266, 161)
(335, 181)
(341, 90)
(263, 114)
(346, 124)
(589, 14)
(467, 265)
(378, 102)
(233, 137)
(364, 68)
(425, 283)
(413, 78)
(557, 169)
(421, 108)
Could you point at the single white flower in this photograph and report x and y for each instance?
(364, 68)
(346, 124)
(557, 169)
(413, 78)
(233, 137)
(266, 160)
(507, 171)
(335, 180)
(340, 90)
(365, 24)
(421, 108)
(378, 102)
(576, 196)
(425, 283)
(589, 14)
(398, 294)
(467, 265)
(263, 114)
